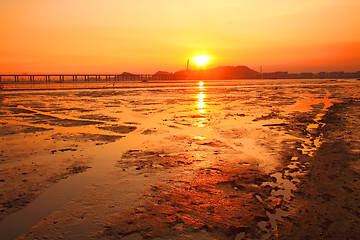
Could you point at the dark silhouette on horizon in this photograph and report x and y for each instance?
(243, 72)
(217, 73)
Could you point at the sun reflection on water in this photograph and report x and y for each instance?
(201, 138)
(201, 105)
(201, 84)
(201, 97)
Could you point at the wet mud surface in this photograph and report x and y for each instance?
(22, 183)
(326, 202)
(236, 160)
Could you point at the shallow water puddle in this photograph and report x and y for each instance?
(62, 192)
(285, 182)
(281, 195)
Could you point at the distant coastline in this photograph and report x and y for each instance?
(217, 73)
(243, 72)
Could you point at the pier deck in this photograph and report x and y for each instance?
(82, 77)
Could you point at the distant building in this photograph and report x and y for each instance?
(336, 74)
(306, 75)
(275, 75)
(321, 75)
(293, 76)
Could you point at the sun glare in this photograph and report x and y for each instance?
(201, 60)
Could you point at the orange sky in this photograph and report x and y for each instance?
(142, 36)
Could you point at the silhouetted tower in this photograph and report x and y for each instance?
(187, 69)
(261, 72)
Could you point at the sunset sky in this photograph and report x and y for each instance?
(143, 36)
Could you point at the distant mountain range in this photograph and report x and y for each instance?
(224, 72)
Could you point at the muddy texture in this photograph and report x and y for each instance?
(99, 117)
(42, 142)
(86, 137)
(119, 129)
(8, 130)
(226, 160)
(216, 201)
(327, 200)
(31, 179)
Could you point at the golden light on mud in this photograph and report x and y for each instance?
(200, 123)
(201, 103)
(201, 86)
(201, 107)
(201, 97)
(201, 138)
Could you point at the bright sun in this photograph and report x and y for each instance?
(201, 60)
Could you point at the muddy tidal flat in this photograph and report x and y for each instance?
(259, 159)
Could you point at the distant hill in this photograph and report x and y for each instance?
(224, 72)
(162, 73)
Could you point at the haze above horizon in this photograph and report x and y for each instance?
(50, 36)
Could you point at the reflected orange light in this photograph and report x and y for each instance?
(201, 97)
(201, 107)
(201, 86)
(201, 103)
(200, 124)
(201, 138)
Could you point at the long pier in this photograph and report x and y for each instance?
(83, 77)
